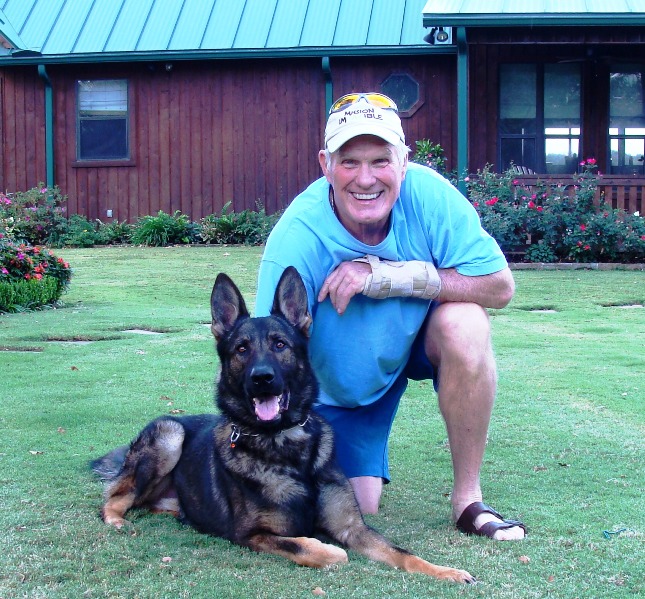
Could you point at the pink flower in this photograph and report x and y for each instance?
(5, 271)
(43, 190)
(539, 208)
(516, 182)
(475, 204)
(531, 204)
(583, 227)
(587, 247)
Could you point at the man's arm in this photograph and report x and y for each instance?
(490, 291)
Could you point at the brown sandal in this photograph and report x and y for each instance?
(466, 522)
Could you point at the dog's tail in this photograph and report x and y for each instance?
(108, 467)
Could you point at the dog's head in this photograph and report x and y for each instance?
(266, 380)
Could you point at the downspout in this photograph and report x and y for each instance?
(329, 87)
(462, 108)
(49, 125)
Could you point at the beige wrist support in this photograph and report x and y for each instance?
(414, 278)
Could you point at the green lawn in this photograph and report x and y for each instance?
(565, 453)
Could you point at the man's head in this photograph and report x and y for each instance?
(365, 161)
(363, 114)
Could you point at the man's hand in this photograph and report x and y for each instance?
(344, 283)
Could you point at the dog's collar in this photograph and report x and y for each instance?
(237, 432)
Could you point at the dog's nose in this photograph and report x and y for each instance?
(262, 375)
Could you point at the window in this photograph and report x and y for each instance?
(539, 117)
(102, 132)
(404, 90)
(627, 120)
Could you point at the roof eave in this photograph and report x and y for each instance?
(178, 55)
(534, 20)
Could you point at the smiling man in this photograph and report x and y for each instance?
(398, 273)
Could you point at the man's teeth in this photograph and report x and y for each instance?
(366, 196)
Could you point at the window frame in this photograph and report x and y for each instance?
(539, 137)
(622, 138)
(129, 123)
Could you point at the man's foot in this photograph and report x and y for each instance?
(482, 520)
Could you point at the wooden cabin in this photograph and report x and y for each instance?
(136, 106)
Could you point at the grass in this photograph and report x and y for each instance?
(565, 450)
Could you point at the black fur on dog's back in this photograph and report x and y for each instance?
(262, 473)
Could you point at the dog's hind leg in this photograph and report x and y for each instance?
(304, 551)
(144, 477)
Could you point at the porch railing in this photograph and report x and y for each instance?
(624, 193)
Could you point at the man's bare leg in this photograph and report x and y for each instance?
(367, 490)
(458, 341)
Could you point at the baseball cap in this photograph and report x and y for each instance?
(363, 114)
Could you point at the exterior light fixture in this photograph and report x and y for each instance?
(441, 36)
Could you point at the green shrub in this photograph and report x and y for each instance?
(433, 155)
(16, 296)
(80, 232)
(248, 227)
(30, 276)
(115, 232)
(35, 216)
(163, 229)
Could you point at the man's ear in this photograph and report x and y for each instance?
(322, 160)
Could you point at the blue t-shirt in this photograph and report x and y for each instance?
(359, 355)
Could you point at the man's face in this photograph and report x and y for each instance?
(366, 177)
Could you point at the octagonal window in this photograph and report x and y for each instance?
(404, 90)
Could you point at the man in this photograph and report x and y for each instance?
(399, 272)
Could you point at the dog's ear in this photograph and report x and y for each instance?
(290, 300)
(227, 305)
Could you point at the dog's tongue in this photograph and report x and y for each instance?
(267, 408)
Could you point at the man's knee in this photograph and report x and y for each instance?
(458, 329)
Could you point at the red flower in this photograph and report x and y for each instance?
(492, 201)
(587, 247)
(539, 208)
(583, 227)
(531, 204)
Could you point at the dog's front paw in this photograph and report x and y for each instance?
(454, 575)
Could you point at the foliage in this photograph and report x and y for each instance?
(248, 227)
(163, 229)
(433, 155)
(30, 276)
(115, 232)
(35, 216)
(80, 232)
(555, 222)
(430, 154)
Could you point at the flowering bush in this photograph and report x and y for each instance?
(35, 216)
(551, 222)
(30, 276)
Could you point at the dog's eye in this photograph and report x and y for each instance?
(240, 349)
(280, 344)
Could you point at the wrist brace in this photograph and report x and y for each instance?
(414, 278)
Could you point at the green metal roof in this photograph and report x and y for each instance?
(8, 32)
(140, 29)
(533, 13)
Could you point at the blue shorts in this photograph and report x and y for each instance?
(362, 433)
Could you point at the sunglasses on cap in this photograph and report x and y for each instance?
(373, 98)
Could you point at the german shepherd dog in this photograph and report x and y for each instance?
(262, 474)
